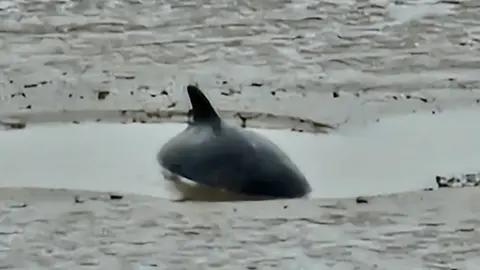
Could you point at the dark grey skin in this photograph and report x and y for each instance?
(218, 155)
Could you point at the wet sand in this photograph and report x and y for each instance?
(432, 230)
(335, 62)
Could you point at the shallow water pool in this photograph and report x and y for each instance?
(396, 154)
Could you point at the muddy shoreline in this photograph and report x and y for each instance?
(90, 229)
(343, 63)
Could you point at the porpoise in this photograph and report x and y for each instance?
(218, 155)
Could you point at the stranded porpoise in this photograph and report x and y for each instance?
(216, 154)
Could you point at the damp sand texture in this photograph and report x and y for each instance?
(336, 62)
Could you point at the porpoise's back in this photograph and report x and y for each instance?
(237, 160)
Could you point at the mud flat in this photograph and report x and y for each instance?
(350, 64)
(55, 228)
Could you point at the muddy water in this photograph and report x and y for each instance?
(395, 155)
(338, 62)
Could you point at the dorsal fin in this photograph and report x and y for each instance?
(202, 110)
